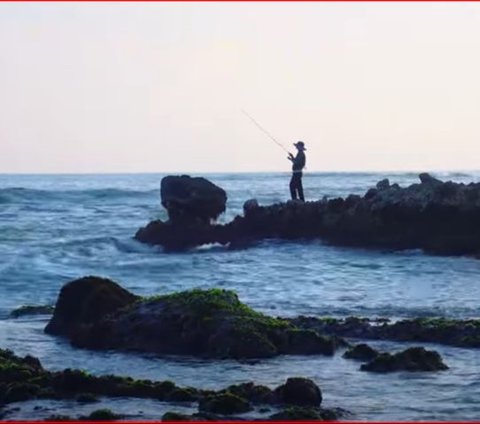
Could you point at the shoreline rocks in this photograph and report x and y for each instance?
(414, 359)
(438, 217)
(23, 379)
(215, 324)
(458, 333)
(97, 313)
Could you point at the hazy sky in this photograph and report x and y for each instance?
(158, 87)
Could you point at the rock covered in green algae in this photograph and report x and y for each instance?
(102, 415)
(84, 301)
(25, 379)
(253, 392)
(461, 333)
(207, 323)
(225, 404)
(297, 413)
(412, 359)
(32, 310)
(361, 352)
(299, 391)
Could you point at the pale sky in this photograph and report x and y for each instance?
(159, 87)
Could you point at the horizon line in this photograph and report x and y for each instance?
(409, 171)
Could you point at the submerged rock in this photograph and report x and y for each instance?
(23, 379)
(361, 352)
(438, 217)
(461, 333)
(297, 413)
(207, 323)
(32, 310)
(412, 359)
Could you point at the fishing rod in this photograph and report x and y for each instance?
(265, 131)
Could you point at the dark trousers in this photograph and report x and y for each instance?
(296, 187)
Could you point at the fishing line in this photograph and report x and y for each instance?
(265, 131)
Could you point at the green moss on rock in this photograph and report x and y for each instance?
(224, 403)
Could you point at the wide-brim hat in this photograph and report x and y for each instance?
(300, 145)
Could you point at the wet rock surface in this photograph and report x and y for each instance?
(206, 323)
(299, 392)
(460, 333)
(414, 359)
(28, 310)
(23, 379)
(438, 217)
(361, 352)
(190, 199)
(85, 301)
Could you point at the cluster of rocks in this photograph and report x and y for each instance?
(412, 359)
(97, 313)
(439, 217)
(459, 333)
(23, 379)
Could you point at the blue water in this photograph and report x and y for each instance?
(60, 227)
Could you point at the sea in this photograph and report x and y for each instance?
(56, 228)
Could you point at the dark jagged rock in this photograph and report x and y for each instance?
(412, 359)
(438, 217)
(175, 416)
(460, 333)
(300, 392)
(252, 392)
(87, 398)
(23, 379)
(190, 199)
(361, 352)
(297, 413)
(224, 404)
(206, 323)
(32, 310)
(84, 301)
(102, 415)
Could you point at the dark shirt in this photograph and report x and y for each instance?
(299, 162)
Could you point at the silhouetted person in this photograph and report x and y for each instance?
(298, 163)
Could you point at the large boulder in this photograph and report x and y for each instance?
(299, 391)
(190, 199)
(85, 301)
(205, 323)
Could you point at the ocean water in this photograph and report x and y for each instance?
(54, 228)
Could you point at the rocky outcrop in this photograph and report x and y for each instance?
(190, 199)
(439, 217)
(361, 352)
(205, 323)
(413, 359)
(460, 333)
(23, 379)
(85, 301)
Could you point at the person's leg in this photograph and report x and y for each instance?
(300, 188)
(293, 191)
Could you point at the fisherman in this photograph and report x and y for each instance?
(298, 163)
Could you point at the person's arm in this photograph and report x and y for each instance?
(291, 157)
